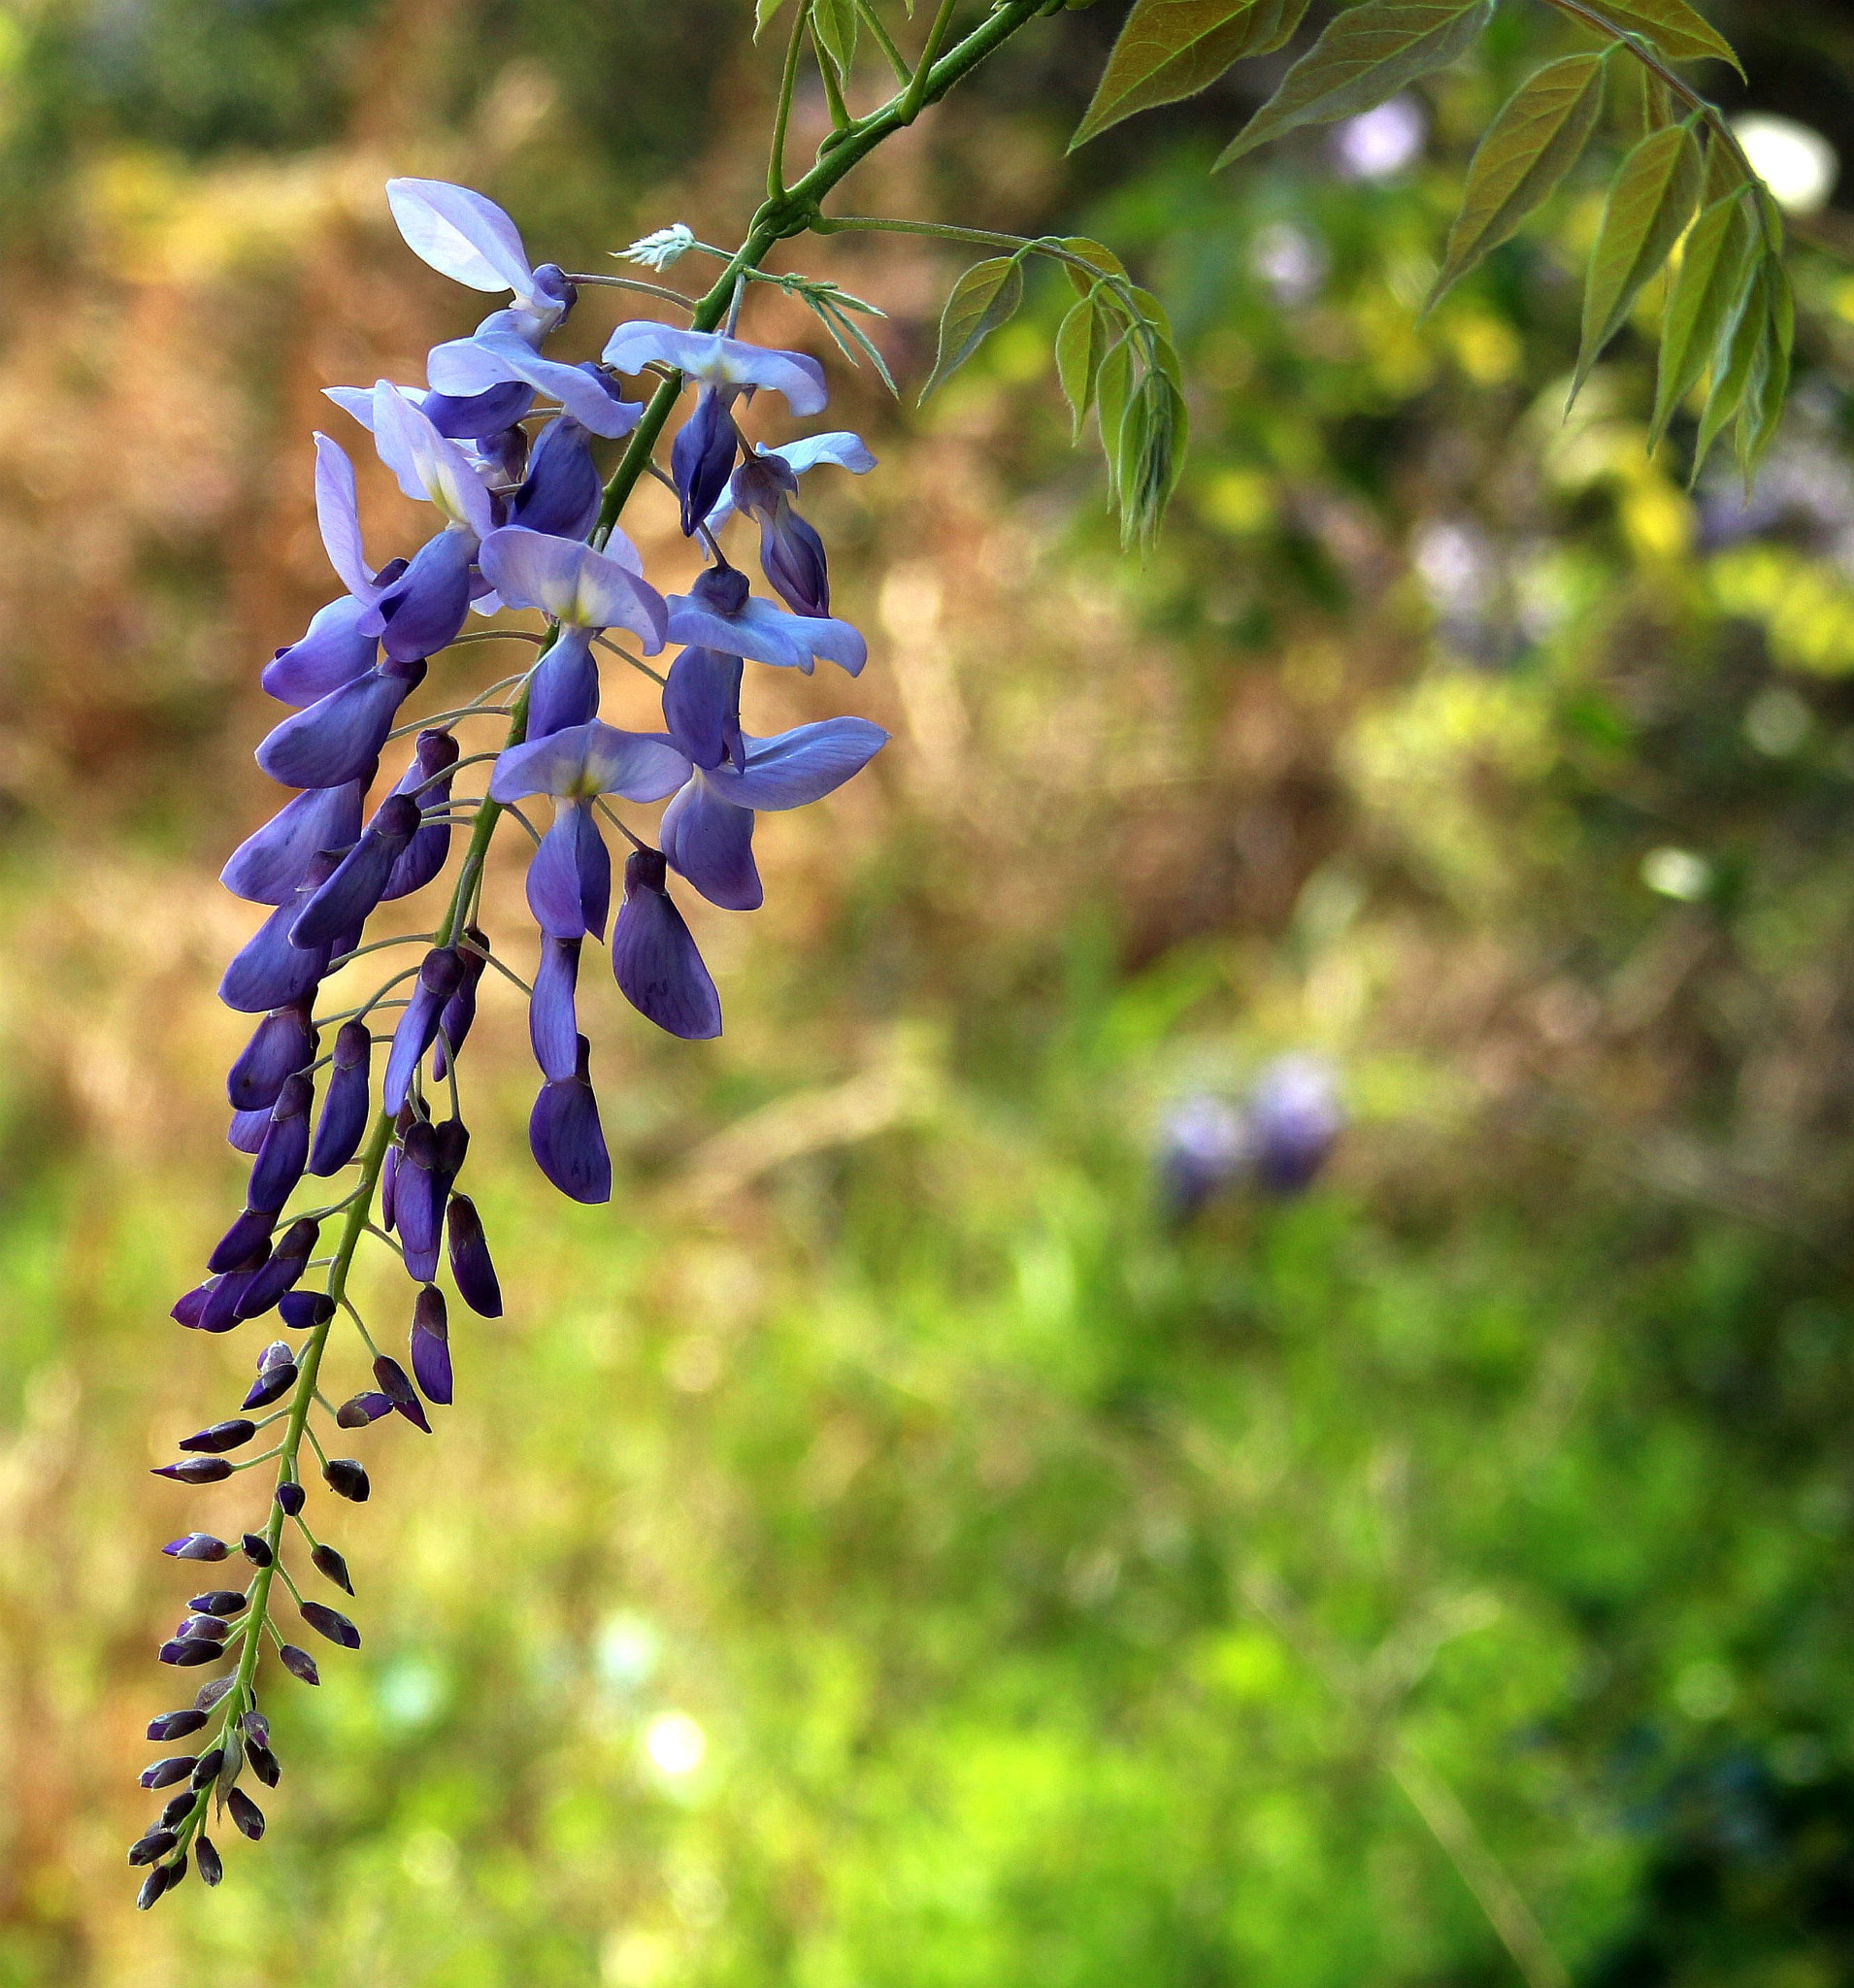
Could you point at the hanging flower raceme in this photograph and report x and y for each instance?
(348, 1107)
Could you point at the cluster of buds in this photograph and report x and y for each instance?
(521, 528)
(1276, 1142)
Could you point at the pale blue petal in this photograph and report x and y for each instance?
(795, 768)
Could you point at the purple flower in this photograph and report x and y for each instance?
(462, 235)
(348, 1103)
(839, 446)
(337, 738)
(267, 970)
(552, 1025)
(565, 1137)
(426, 780)
(654, 958)
(791, 553)
(502, 348)
(439, 973)
(334, 650)
(280, 1159)
(708, 828)
(469, 1260)
(342, 900)
(719, 612)
(569, 875)
(1294, 1118)
(704, 448)
(269, 864)
(431, 1346)
(282, 1043)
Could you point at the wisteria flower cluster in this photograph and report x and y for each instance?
(501, 443)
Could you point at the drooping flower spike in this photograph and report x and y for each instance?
(322, 1086)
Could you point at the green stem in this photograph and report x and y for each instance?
(916, 96)
(833, 84)
(783, 117)
(885, 41)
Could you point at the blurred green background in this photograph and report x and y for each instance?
(883, 1548)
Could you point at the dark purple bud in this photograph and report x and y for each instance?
(279, 1273)
(292, 1497)
(241, 1247)
(791, 553)
(331, 1567)
(337, 738)
(282, 1044)
(438, 975)
(476, 416)
(152, 1886)
(418, 1191)
(212, 1866)
(211, 1692)
(268, 868)
(272, 1384)
(164, 1774)
(334, 651)
(221, 1313)
(299, 1664)
(331, 1623)
(654, 958)
(208, 1767)
(1295, 1118)
(157, 1843)
(175, 1726)
(203, 1629)
(178, 1809)
(268, 972)
(285, 1153)
(553, 1027)
(185, 1652)
(552, 282)
(460, 1010)
(357, 1411)
(470, 1262)
(217, 1602)
(702, 706)
(396, 1385)
(424, 856)
(257, 1726)
(565, 1137)
(561, 493)
(195, 1469)
(348, 1103)
(389, 1186)
(264, 1763)
(300, 1310)
(564, 689)
(190, 1306)
(256, 1550)
(453, 1148)
(244, 1133)
(358, 881)
(245, 1812)
(702, 455)
(196, 1546)
(220, 1436)
(425, 607)
(431, 1346)
(344, 1475)
(720, 589)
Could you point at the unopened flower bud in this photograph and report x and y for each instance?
(207, 1766)
(431, 1346)
(256, 1550)
(196, 1546)
(175, 1726)
(157, 1843)
(331, 1623)
(211, 1867)
(290, 1498)
(196, 1469)
(332, 1567)
(470, 1261)
(345, 1476)
(264, 1763)
(220, 1436)
(302, 1311)
(299, 1664)
(246, 1813)
(359, 1409)
(163, 1773)
(396, 1385)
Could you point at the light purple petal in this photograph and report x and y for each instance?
(573, 584)
(470, 365)
(334, 649)
(267, 866)
(792, 769)
(768, 635)
(429, 466)
(839, 446)
(540, 766)
(640, 766)
(711, 842)
(718, 361)
(337, 513)
(461, 235)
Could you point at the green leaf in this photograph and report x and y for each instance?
(834, 319)
(1769, 385)
(1639, 98)
(982, 299)
(1714, 266)
(1095, 254)
(1173, 48)
(1081, 344)
(1151, 455)
(833, 24)
(1366, 54)
(1652, 196)
(1112, 384)
(1672, 26)
(1732, 371)
(763, 12)
(1529, 148)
